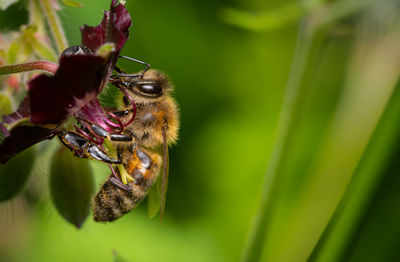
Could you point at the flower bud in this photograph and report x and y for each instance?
(71, 186)
(15, 173)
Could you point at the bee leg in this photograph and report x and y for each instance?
(119, 70)
(111, 136)
(96, 153)
(119, 184)
(127, 75)
(84, 148)
(122, 74)
(139, 62)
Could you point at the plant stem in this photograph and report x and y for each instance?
(339, 235)
(291, 106)
(55, 25)
(30, 66)
(311, 35)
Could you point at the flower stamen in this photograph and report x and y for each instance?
(116, 118)
(84, 134)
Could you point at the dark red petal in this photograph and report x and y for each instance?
(78, 80)
(22, 112)
(114, 28)
(94, 36)
(93, 112)
(120, 24)
(22, 137)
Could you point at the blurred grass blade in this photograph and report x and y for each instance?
(15, 173)
(372, 76)
(54, 24)
(308, 46)
(71, 184)
(346, 221)
(323, 14)
(264, 21)
(378, 229)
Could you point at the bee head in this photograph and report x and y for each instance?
(149, 88)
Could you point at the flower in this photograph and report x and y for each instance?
(82, 73)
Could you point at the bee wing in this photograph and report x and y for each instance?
(157, 194)
(154, 199)
(164, 183)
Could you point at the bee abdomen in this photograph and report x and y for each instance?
(111, 202)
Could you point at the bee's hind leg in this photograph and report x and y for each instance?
(119, 184)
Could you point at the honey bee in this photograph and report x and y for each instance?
(154, 128)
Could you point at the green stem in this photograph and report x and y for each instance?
(338, 10)
(55, 25)
(30, 66)
(349, 216)
(36, 17)
(310, 38)
(291, 106)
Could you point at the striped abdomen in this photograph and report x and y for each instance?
(111, 202)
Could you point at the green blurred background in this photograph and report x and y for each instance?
(310, 85)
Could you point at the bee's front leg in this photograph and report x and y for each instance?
(84, 148)
(110, 136)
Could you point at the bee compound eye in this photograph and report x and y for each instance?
(149, 89)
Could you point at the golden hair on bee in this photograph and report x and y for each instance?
(155, 126)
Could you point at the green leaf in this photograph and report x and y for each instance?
(4, 4)
(15, 173)
(350, 217)
(12, 18)
(71, 185)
